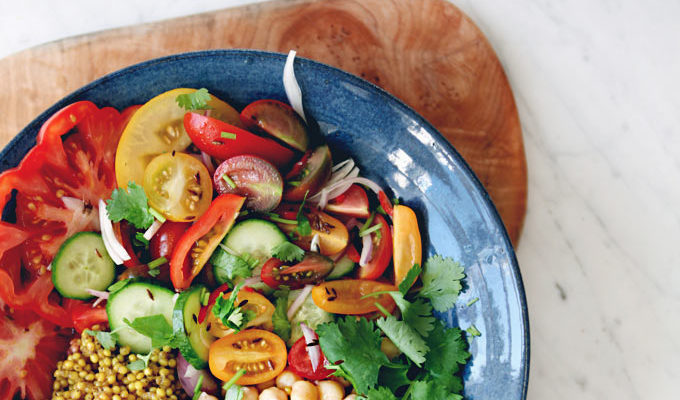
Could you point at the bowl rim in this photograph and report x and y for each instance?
(34, 126)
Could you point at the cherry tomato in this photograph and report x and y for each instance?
(276, 119)
(222, 140)
(312, 269)
(345, 296)
(254, 302)
(333, 234)
(260, 353)
(385, 203)
(407, 242)
(124, 233)
(300, 363)
(156, 128)
(178, 186)
(311, 177)
(354, 202)
(252, 177)
(382, 251)
(201, 239)
(163, 243)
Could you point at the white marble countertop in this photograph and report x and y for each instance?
(597, 84)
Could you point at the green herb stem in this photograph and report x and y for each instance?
(228, 135)
(157, 262)
(370, 230)
(156, 214)
(233, 379)
(276, 218)
(229, 181)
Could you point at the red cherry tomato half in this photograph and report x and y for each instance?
(277, 119)
(164, 242)
(385, 203)
(84, 315)
(354, 202)
(124, 233)
(311, 177)
(382, 251)
(300, 363)
(253, 177)
(201, 239)
(222, 140)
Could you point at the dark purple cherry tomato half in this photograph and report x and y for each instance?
(256, 179)
(311, 177)
(278, 120)
(311, 270)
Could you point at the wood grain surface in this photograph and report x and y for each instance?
(425, 52)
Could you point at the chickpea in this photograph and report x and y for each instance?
(249, 393)
(330, 390)
(304, 390)
(273, 393)
(265, 385)
(206, 396)
(352, 396)
(286, 380)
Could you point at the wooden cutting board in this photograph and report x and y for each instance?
(425, 52)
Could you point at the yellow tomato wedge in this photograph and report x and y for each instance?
(346, 296)
(407, 248)
(332, 233)
(158, 127)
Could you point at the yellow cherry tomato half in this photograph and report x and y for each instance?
(256, 303)
(345, 296)
(407, 248)
(260, 353)
(333, 234)
(158, 127)
(178, 186)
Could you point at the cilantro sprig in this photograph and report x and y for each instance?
(282, 326)
(197, 100)
(231, 314)
(442, 282)
(288, 252)
(131, 205)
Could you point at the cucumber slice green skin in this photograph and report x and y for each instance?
(137, 299)
(343, 267)
(309, 313)
(82, 263)
(195, 339)
(255, 237)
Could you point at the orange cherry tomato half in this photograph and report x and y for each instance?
(254, 302)
(202, 238)
(407, 244)
(333, 234)
(345, 296)
(260, 353)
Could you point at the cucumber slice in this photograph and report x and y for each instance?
(255, 237)
(195, 339)
(82, 263)
(137, 299)
(343, 267)
(309, 313)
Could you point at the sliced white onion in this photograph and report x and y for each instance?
(314, 245)
(73, 204)
(336, 189)
(113, 246)
(253, 280)
(342, 164)
(100, 295)
(314, 351)
(290, 84)
(304, 293)
(153, 229)
(81, 214)
(207, 161)
(366, 250)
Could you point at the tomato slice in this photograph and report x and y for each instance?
(407, 243)
(84, 315)
(30, 348)
(382, 251)
(260, 353)
(158, 128)
(354, 203)
(252, 177)
(201, 239)
(254, 302)
(311, 270)
(178, 186)
(385, 203)
(124, 233)
(333, 234)
(311, 177)
(345, 296)
(79, 166)
(207, 134)
(276, 119)
(163, 243)
(300, 363)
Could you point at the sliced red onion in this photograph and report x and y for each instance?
(304, 293)
(314, 350)
(113, 246)
(366, 250)
(207, 161)
(290, 84)
(314, 245)
(100, 295)
(79, 211)
(352, 223)
(153, 229)
(188, 377)
(253, 280)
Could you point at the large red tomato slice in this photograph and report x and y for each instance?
(80, 166)
(29, 349)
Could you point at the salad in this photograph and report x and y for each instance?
(201, 252)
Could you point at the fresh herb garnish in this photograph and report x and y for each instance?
(229, 181)
(140, 240)
(280, 320)
(410, 277)
(442, 282)
(197, 388)
(197, 100)
(154, 266)
(131, 205)
(231, 314)
(106, 339)
(140, 363)
(303, 226)
(406, 338)
(473, 331)
(156, 328)
(228, 135)
(232, 381)
(228, 266)
(288, 252)
(118, 285)
(276, 218)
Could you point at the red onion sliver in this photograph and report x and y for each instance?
(366, 250)
(153, 229)
(290, 84)
(313, 351)
(207, 161)
(299, 301)
(100, 295)
(253, 280)
(352, 223)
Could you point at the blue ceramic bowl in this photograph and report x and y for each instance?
(394, 146)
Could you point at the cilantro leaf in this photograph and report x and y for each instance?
(106, 339)
(417, 315)
(442, 282)
(131, 205)
(381, 393)
(431, 391)
(230, 313)
(197, 100)
(404, 337)
(357, 344)
(140, 363)
(410, 277)
(448, 350)
(394, 377)
(473, 331)
(155, 327)
(118, 285)
(287, 251)
(280, 320)
(228, 266)
(303, 226)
